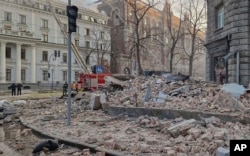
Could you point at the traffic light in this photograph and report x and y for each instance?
(55, 53)
(58, 54)
(72, 16)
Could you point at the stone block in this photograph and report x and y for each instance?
(103, 98)
(207, 137)
(19, 102)
(9, 111)
(86, 152)
(182, 127)
(222, 152)
(100, 154)
(1, 115)
(94, 102)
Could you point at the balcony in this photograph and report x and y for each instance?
(7, 23)
(16, 33)
(44, 29)
(8, 32)
(22, 26)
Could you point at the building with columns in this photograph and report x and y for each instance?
(29, 35)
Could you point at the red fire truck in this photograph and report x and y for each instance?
(92, 81)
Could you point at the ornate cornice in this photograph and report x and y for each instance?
(10, 38)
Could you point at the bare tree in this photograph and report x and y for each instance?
(100, 45)
(139, 10)
(194, 25)
(174, 31)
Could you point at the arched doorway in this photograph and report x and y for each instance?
(126, 70)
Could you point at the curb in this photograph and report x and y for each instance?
(92, 147)
(162, 113)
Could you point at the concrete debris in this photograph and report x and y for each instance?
(145, 135)
(187, 95)
(235, 89)
(222, 152)
(4, 103)
(182, 127)
(19, 102)
(178, 77)
(148, 94)
(94, 102)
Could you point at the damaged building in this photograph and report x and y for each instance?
(228, 49)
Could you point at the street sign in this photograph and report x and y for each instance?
(99, 69)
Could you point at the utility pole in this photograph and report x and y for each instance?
(72, 15)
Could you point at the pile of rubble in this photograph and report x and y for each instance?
(156, 91)
(141, 136)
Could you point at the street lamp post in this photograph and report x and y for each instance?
(55, 54)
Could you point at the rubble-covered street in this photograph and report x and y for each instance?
(145, 135)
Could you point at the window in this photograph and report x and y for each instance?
(76, 76)
(65, 41)
(7, 16)
(64, 75)
(102, 34)
(23, 54)
(45, 37)
(87, 44)
(23, 75)
(8, 74)
(65, 26)
(87, 32)
(45, 56)
(64, 58)
(8, 52)
(220, 17)
(22, 19)
(44, 23)
(77, 43)
(45, 75)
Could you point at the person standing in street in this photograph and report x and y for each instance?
(65, 87)
(13, 89)
(19, 89)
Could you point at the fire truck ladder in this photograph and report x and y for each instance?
(74, 48)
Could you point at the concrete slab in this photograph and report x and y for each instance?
(174, 113)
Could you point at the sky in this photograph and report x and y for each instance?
(83, 3)
(91, 5)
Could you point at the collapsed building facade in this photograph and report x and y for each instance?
(227, 42)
